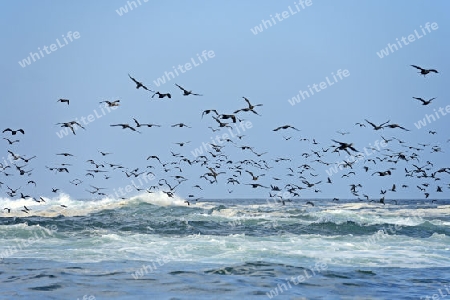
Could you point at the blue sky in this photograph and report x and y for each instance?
(268, 68)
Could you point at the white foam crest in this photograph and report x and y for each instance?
(379, 249)
(160, 198)
(64, 205)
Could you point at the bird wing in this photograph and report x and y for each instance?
(341, 143)
(373, 125)
(134, 80)
(420, 99)
(180, 87)
(417, 67)
(381, 125)
(248, 101)
(146, 88)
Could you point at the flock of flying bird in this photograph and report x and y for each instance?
(218, 164)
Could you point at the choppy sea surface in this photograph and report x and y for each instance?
(154, 247)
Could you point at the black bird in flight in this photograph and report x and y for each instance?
(396, 126)
(139, 84)
(181, 144)
(180, 125)
(424, 102)
(111, 103)
(375, 127)
(104, 153)
(186, 92)
(255, 185)
(285, 127)
(70, 125)
(11, 142)
(383, 173)
(225, 117)
(124, 126)
(160, 95)
(155, 157)
(343, 133)
(214, 130)
(221, 124)
(344, 146)
(207, 111)
(424, 72)
(63, 101)
(249, 108)
(148, 125)
(13, 132)
(65, 154)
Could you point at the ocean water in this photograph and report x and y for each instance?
(154, 247)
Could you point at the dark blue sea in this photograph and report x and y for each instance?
(154, 247)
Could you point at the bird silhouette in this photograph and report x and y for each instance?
(147, 125)
(161, 95)
(139, 84)
(111, 103)
(125, 126)
(285, 127)
(377, 127)
(424, 72)
(186, 92)
(424, 102)
(14, 132)
(64, 101)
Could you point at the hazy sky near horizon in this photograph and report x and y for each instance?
(310, 45)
